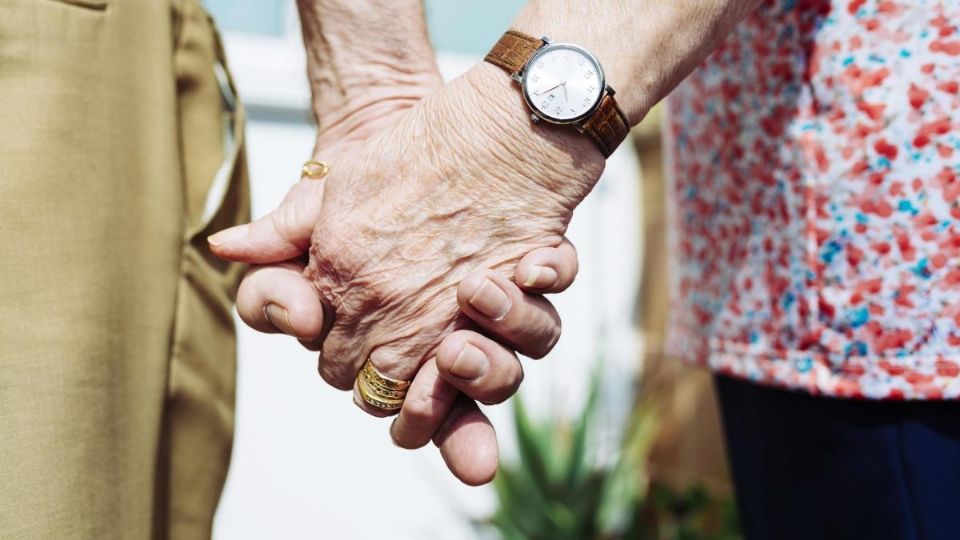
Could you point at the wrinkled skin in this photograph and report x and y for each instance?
(277, 244)
(459, 182)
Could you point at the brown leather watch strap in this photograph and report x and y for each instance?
(513, 51)
(608, 126)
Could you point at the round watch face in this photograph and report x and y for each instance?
(563, 83)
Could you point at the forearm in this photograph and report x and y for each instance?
(645, 46)
(365, 57)
(362, 50)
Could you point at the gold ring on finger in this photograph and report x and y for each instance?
(380, 391)
(314, 170)
(373, 375)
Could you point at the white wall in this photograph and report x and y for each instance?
(306, 459)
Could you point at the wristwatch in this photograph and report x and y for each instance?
(563, 83)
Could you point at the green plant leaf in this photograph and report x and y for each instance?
(577, 459)
(555, 492)
(521, 500)
(534, 450)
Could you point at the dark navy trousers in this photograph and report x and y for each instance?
(820, 468)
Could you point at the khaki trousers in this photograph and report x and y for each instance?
(118, 155)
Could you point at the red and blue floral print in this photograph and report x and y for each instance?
(816, 200)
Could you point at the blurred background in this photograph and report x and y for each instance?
(597, 450)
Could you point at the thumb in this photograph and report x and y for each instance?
(278, 236)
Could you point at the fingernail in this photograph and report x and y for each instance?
(541, 277)
(227, 236)
(278, 317)
(491, 301)
(470, 364)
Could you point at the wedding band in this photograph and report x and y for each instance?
(314, 170)
(373, 375)
(383, 393)
(386, 405)
(380, 391)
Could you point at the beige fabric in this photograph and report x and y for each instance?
(116, 337)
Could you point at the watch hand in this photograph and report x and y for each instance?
(548, 89)
(563, 86)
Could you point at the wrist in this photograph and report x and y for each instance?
(365, 55)
(555, 159)
(361, 114)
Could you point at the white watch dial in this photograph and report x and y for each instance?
(563, 82)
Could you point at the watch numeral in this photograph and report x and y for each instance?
(588, 74)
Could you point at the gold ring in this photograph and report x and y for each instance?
(374, 376)
(314, 170)
(386, 405)
(380, 391)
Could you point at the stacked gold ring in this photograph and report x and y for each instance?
(380, 391)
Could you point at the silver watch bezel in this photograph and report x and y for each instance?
(548, 46)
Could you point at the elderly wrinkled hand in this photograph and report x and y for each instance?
(404, 217)
(455, 184)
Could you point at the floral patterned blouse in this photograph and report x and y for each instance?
(816, 200)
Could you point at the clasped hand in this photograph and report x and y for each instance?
(431, 243)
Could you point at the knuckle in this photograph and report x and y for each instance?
(339, 360)
(313, 346)
(247, 292)
(283, 219)
(391, 365)
(418, 410)
(248, 310)
(424, 408)
(333, 374)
